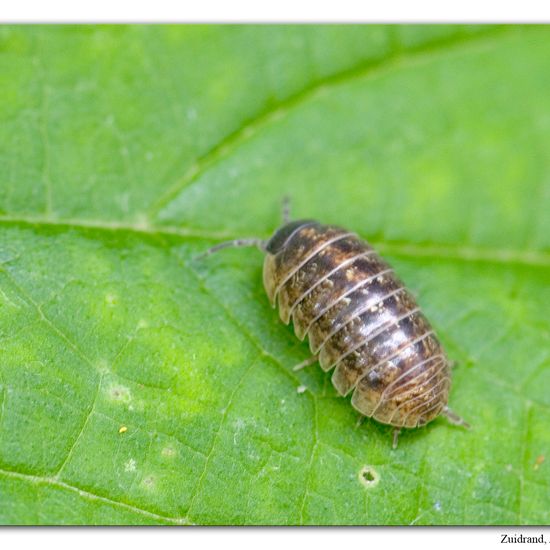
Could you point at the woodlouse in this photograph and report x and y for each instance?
(360, 320)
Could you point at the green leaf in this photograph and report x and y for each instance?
(140, 386)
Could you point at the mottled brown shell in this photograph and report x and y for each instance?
(360, 321)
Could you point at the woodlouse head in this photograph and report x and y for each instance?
(282, 235)
(275, 248)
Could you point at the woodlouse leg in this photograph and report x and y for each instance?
(235, 243)
(396, 432)
(309, 361)
(453, 418)
(360, 419)
(286, 209)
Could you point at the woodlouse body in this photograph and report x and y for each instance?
(360, 321)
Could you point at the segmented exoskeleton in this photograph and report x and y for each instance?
(360, 320)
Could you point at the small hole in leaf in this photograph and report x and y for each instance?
(369, 477)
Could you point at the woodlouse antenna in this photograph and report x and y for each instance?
(286, 209)
(233, 244)
(453, 418)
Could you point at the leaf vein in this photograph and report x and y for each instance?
(91, 496)
(241, 135)
(453, 252)
(81, 431)
(197, 489)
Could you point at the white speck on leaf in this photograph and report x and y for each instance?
(239, 424)
(168, 452)
(111, 299)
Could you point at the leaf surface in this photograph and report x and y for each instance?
(140, 386)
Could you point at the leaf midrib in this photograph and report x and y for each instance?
(449, 251)
(396, 57)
